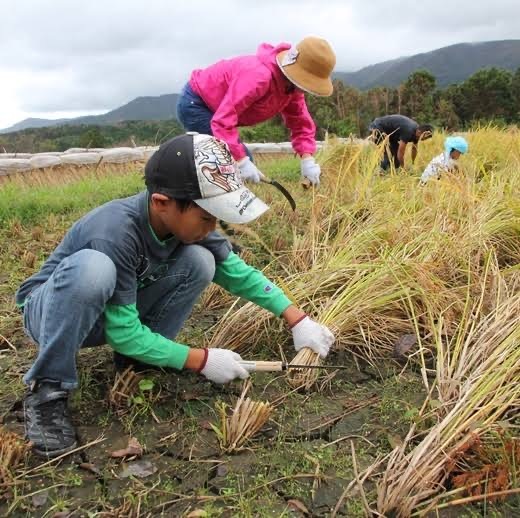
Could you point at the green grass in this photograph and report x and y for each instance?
(29, 205)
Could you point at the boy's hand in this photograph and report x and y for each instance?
(317, 337)
(222, 366)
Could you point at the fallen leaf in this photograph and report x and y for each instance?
(139, 469)
(146, 384)
(206, 425)
(222, 470)
(61, 514)
(404, 343)
(40, 498)
(133, 448)
(197, 513)
(88, 466)
(298, 506)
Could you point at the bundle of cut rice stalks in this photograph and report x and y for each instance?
(125, 386)
(304, 378)
(366, 305)
(246, 419)
(475, 396)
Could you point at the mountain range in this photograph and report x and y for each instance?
(449, 65)
(161, 107)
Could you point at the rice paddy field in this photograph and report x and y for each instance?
(420, 285)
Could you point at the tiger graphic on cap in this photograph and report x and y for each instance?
(216, 163)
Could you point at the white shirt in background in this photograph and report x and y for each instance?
(438, 165)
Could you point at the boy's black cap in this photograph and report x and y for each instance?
(200, 168)
(171, 169)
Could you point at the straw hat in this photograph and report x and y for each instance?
(309, 65)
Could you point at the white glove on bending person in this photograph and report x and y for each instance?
(248, 171)
(222, 366)
(311, 170)
(308, 333)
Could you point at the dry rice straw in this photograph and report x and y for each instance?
(246, 420)
(304, 378)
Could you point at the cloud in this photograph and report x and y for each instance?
(71, 55)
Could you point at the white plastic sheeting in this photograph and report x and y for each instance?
(15, 155)
(122, 155)
(74, 150)
(39, 161)
(80, 158)
(18, 162)
(148, 151)
(14, 165)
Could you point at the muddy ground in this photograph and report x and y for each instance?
(298, 465)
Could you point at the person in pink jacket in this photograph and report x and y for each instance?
(247, 90)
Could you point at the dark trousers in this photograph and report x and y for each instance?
(390, 149)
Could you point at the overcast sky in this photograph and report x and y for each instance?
(61, 58)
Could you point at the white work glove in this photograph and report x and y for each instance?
(248, 171)
(222, 366)
(311, 170)
(308, 333)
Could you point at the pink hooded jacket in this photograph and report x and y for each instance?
(246, 90)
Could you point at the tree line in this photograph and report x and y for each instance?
(489, 95)
(62, 137)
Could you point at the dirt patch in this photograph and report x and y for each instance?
(298, 455)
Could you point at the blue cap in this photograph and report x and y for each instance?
(458, 143)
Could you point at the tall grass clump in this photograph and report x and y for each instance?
(370, 253)
(478, 371)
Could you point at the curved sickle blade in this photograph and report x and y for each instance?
(283, 190)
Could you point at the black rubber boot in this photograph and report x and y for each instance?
(47, 421)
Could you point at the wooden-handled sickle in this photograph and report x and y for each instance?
(261, 366)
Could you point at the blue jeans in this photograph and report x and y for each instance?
(65, 313)
(194, 115)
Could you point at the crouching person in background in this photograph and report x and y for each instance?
(128, 274)
(446, 161)
(400, 131)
